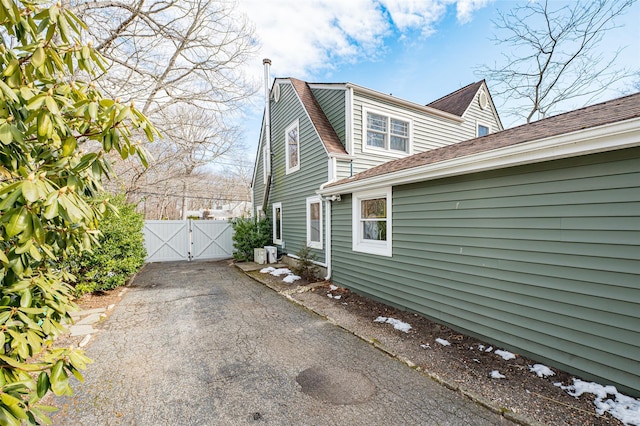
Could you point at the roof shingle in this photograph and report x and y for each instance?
(457, 102)
(320, 121)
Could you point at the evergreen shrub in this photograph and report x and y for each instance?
(249, 233)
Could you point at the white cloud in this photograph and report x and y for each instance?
(465, 9)
(305, 36)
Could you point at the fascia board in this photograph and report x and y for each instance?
(604, 138)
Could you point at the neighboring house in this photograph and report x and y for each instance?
(314, 134)
(528, 238)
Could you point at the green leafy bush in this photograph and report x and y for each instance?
(248, 234)
(120, 255)
(305, 266)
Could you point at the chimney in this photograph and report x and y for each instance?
(267, 116)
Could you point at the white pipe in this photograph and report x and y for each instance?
(327, 250)
(267, 113)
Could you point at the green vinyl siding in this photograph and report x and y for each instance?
(543, 260)
(293, 189)
(332, 102)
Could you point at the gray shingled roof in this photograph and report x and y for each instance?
(616, 110)
(320, 121)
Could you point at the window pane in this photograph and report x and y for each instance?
(374, 209)
(374, 230)
(314, 211)
(376, 122)
(398, 143)
(482, 130)
(399, 128)
(375, 139)
(278, 224)
(292, 147)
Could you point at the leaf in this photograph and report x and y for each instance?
(38, 57)
(5, 133)
(3, 257)
(8, 92)
(93, 110)
(17, 222)
(52, 106)
(7, 419)
(10, 201)
(59, 379)
(43, 384)
(36, 102)
(29, 191)
(69, 146)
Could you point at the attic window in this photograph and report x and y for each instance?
(483, 100)
(383, 132)
(483, 130)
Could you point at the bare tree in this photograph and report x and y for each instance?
(181, 62)
(554, 55)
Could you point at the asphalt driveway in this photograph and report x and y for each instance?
(200, 343)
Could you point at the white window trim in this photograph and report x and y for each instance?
(482, 123)
(286, 147)
(314, 244)
(274, 207)
(385, 151)
(382, 248)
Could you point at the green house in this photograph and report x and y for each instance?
(528, 238)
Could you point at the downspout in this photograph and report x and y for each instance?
(327, 250)
(267, 127)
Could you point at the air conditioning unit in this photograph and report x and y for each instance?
(260, 256)
(272, 254)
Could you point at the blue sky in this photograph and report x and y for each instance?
(418, 50)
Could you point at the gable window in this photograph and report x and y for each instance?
(292, 147)
(371, 225)
(386, 132)
(277, 223)
(314, 222)
(483, 130)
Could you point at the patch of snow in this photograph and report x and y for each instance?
(290, 278)
(280, 271)
(397, 324)
(333, 287)
(425, 346)
(330, 296)
(623, 408)
(337, 297)
(481, 347)
(489, 349)
(495, 374)
(345, 303)
(506, 355)
(267, 270)
(541, 370)
(476, 360)
(443, 342)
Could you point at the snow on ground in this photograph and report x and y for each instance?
(331, 296)
(291, 278)
(333, 287)
(495, 374)
(541, 370)
(280, 271)
(397, 324)
(443, 342)
(506, 355)
(622, 407)
(267, 270)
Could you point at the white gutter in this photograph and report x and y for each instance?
(267, 113)
(413, 105)
(609, 137)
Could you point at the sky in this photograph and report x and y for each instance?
(419, 50)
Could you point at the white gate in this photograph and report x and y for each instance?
(167, 240)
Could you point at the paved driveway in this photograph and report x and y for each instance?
(201, 344)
